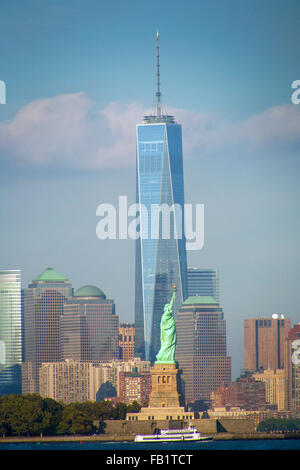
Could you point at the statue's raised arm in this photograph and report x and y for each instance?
(172, 299)
(168, 338)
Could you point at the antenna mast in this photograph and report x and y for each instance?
(160, 116)
(158, 93)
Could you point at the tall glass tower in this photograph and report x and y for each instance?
(160, 249)
(10, 332)
(203, 282)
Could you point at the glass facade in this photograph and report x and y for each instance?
(203, 282)
(10, 332)
(160, 249)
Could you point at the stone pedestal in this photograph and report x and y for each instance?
(166, 401)
(166, 390)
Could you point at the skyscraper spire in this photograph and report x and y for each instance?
(158, 115)
(158, 93)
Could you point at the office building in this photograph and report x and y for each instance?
(245, 393)
(248, 393)
(160, 249)
(204, 282)
(201, 347)
(220, 397)
(264, 340)
(292, 368)
(89, 326)
(126, 341)
(10, 332)
(275, 387)
(74, 334)
(43, 307)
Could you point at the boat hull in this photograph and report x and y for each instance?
(169, 436)
(174, 439)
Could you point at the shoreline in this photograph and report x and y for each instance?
(130, 438)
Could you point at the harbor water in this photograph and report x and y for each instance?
(244, 444)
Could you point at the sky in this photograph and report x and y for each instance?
(80, 75)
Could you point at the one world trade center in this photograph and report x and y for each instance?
(160, 249)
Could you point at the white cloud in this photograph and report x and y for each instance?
(67, 131)
(276, 128)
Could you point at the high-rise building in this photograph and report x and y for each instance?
(275, 387)
(43, 307)
(72, 381)
(68, 381)
(264, 340)
(248, 393)
(89, 326)
(203, 282)
(74, 334)
(245, 393)
(108, 375)
(220, 397)
(126, 341)
(134, 386)
(160, 249)
(10, 332)
(201, 347)
(292, 368)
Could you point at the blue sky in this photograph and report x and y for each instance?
(80, 75)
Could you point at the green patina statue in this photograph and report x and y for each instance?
(168, 340)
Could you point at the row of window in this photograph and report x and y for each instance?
(184, 417)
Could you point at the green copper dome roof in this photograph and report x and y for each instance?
(200, 300)
(89, 291)
(50, 275)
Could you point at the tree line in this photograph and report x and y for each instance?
(279, 424)
(33, 415)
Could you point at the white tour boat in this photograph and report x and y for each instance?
(173, 435)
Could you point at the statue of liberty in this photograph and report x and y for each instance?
(168, 340)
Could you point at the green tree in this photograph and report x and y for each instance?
(28, 415)
(74, 420)
(134, 407)
(4, 416)
(279, 424)
(52, 415)
(119, 411)
(103, 410)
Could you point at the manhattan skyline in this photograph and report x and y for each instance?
(78, 79)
